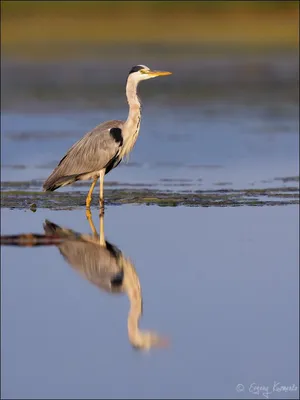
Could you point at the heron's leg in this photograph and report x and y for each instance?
(89, 196)
(90, 219)
(101, 197)
(102, 237)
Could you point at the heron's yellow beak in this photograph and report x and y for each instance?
(155, 73)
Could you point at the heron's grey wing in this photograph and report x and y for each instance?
(93, 152)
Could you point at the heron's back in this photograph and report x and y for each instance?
(97, 150)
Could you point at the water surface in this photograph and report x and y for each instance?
(221, 283)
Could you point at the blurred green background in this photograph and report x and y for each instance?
(46, 29)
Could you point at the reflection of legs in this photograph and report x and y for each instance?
(102, 237)
(89, 196)
(89, 218)
(101, 198)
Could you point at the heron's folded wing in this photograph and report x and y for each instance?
(93, 152)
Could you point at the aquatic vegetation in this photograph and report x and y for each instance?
(276, 196)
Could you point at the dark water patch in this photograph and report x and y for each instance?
(220, 198)
(288, 179)
(257, 191)
(21, 185)
(132, 185)
(176, 180)
(222, 183)
(16, 166)
(49, 165)
(266, 181)
(182, 184)
(24, 136)
(180, 165)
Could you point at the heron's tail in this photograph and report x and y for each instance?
(53, 183)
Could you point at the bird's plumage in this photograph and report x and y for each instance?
(81, 160)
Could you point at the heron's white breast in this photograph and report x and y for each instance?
(130, 137)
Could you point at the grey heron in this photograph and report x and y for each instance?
(102, 264)
(104, 147)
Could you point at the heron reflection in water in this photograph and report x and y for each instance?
(101, 263)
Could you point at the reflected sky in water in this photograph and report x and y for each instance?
(222, 283)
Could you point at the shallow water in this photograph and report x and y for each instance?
(220, 283)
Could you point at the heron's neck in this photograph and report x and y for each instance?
(132, 98)
(132, 124)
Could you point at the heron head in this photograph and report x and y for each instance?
(142, 72)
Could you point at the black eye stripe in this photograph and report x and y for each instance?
(135, 69)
